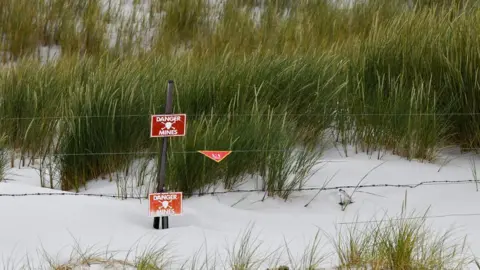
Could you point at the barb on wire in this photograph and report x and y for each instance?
(442, 182)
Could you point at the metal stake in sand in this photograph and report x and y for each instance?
(163, 160)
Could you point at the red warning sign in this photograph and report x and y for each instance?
(168, 125)
(216, 155)
(165, 204)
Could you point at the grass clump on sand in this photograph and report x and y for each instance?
(263, 145)
(412, 92)
(29, 117)
(399, 243)
(106, 114)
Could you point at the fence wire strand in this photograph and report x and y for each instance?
(411, 186)
(239, 115)
(192, 152)
(333, 113)
(147, 153)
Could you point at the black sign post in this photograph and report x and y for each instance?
(163, 158)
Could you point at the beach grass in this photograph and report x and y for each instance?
(268, 80)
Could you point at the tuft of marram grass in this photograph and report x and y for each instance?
(403, 242)
(420, 77)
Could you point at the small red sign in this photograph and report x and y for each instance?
(165, 204)
(216, 155)
(168, 125)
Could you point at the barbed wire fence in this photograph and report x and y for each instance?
(410, 186)
(204, 193)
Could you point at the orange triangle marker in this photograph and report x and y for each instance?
(216, 156)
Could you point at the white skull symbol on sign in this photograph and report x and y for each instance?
(165, 204)
(168, 125)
